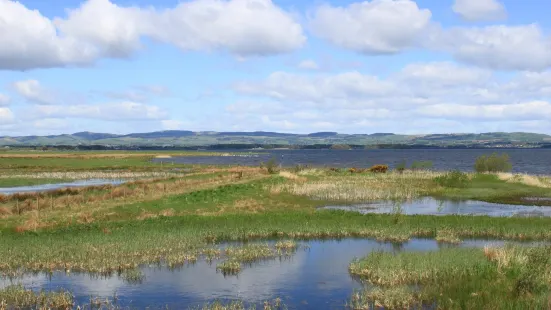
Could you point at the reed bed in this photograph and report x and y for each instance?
(17, 297)
(526, 179)
(386, 269)
(512, 277)
(251, 253)
(363, 187)
(401, 297)
(275, 304)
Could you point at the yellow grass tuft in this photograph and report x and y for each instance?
(531, 180)
(292, 176)
(363, 187)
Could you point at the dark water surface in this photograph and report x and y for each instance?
(314, 278)
(432, 206)
(532, 161)
(49, 187)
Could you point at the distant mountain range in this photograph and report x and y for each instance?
(183, 138)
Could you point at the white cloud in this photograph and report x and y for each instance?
(243, 27)
(100, 28)
(480, 10)
(6, 116)
(34, 92)
(126, 110)
(4, 100)
(525, 111)
(422, 97)
(171, 124)
(51, 124)
(443, 74)
(308, 65)
(523, 47)
(376, 27)
(323, 88)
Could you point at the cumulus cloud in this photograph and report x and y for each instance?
(6, 116)
(308, 65)
(33, 91)
(524, 111)
(100, 28)
(171, 124)
(130, 111)
(426, 97)
(372, 27)
(480, 10)
(523, 47)
(344, 86)
(4, 100)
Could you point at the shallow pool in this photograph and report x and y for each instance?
(432, 206)
(49, 187)
(313, 278)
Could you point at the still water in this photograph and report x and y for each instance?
(49, 187)
(313, 278)
(532, 161)
(431, 206)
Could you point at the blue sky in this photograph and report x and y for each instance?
(398, 66)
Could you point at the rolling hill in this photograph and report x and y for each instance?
(181, 138)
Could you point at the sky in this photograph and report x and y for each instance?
(402, 66)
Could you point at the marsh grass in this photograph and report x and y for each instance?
(401, 297)
(363, 187)
(16, 297)
(48, 203)
(252, 253)
(229, 267)
(510, 277)
(526, 179)
(387, 269)
(132, 276)
(275, 304)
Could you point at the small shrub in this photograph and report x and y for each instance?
(271, 166)
(298, 168)
(379, 169)
(401, 166)
(493, 163)
(455, 179)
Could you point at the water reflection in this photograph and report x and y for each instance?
(49, 187)
(431, 206)
(314, 278)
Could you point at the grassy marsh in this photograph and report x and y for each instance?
(510, 277)
(164, 217)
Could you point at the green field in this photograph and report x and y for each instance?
(179, 218)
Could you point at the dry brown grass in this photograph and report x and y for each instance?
(146, 215)
(31, 224)
(531, 180)
(167, 212)
(363, 187)
(248, 205)
(4, 211)
(292, 176)
(505, 256)
(97, 196)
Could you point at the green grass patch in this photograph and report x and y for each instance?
(512, 277)
(487, 187)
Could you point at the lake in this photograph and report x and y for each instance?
(531, 161)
